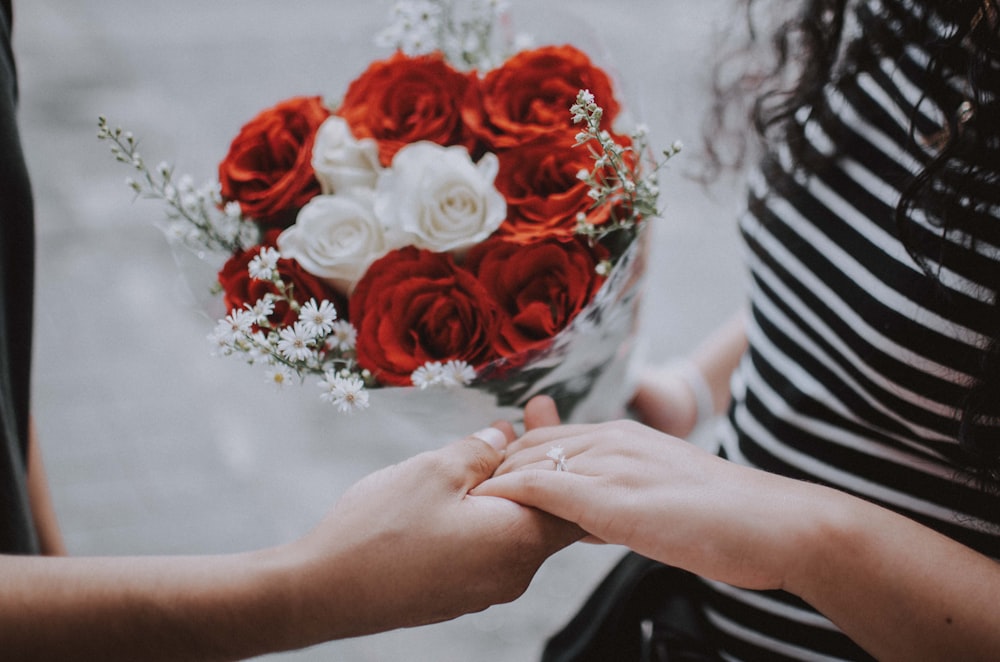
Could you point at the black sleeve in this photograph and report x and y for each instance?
(17, 248)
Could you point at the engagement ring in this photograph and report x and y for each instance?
(558, 456)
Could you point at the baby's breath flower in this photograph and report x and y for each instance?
(617, 179)
(176, 231)
(185, 183)
(461, 30)
(197, 207)
(249, 234)
(264, 265)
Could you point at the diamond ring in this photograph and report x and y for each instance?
(558, 455)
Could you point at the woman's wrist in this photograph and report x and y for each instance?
(662, 401)
(702, 400)
(825, 525)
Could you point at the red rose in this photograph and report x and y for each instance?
(239, 289)
(406, 99)
(415, 306)
(531, 94)
(540, 287)
(543, 190)
(268, 169)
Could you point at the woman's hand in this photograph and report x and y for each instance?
(663, 497)
(899, 589)
(676, 397)
(664, 400)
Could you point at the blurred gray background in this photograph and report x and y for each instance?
(152, 445)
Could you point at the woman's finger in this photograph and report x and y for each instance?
(551, 457)
(558, 434)
(556, 492)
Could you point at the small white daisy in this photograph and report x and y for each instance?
(259, 350)
(427, 375)
(343, 336)
(280, 375)
(240, 323)
(262, 309)
(222, 339)
(318, 319)
(347, 394)
(458, 373)
(293, 343)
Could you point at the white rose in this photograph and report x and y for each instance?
(335, 238)
(438, 199)
(341, 162)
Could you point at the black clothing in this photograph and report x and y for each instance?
(17, 246)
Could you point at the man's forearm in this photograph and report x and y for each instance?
(148, 608)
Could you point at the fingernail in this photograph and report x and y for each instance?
(493, 437)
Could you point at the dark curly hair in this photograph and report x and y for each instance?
(816, 44)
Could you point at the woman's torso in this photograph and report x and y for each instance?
(859, 359)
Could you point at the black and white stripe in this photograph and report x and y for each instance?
(858, 359)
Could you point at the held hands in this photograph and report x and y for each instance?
(662, 497)
(408, 545)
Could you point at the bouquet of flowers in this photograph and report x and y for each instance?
(465, 215)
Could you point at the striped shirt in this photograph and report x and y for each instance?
(858, 359)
